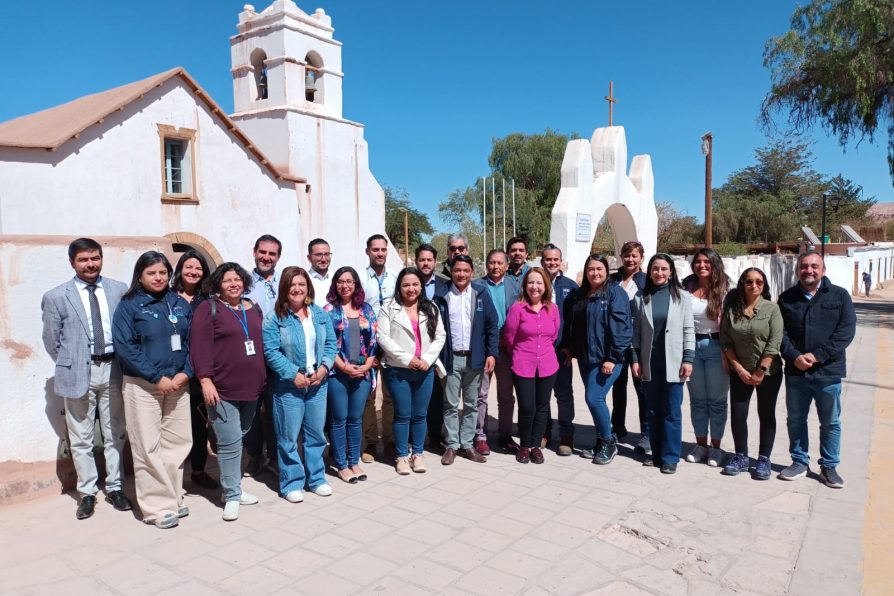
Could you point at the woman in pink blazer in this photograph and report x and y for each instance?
(531, 329)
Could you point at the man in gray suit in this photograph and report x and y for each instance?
(77, 333)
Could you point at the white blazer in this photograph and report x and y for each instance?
(679, 335)
(398, 341)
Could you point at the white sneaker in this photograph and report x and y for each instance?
(697, 455)
(294, 496)
(231, 511)
(324, 490)
(244, 499)
(715, 457)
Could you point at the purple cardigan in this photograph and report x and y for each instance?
(530, 337)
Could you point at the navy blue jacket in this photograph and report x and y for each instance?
(639, 278)
(823, 326)
(485, 337)
(563, 287)
(142, 334)
(609, 326)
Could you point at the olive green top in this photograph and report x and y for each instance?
(753, 338)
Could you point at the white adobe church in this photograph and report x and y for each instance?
(157, 164)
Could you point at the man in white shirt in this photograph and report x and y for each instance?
(471, 349)
(378, 287)
(320, 257)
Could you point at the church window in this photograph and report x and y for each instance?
(177, 159)
(259, 67)
(174, 161)
(313, 74)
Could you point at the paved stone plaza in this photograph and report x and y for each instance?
(565, 527)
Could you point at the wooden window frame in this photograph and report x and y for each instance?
(167, 132)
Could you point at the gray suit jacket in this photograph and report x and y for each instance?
(679, 335)
(66, 334)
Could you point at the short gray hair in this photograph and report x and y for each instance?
(458, 236)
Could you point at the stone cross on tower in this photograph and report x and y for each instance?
(612, 100)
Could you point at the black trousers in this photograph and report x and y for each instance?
(435, 419)
(619, 402)
(198, 455)
(739, 403)
(533, 396)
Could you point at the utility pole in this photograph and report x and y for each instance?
(513, 207)
(406, 236)
(708, 152)
(504, 212)
(484, 216)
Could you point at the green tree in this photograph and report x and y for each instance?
(675, 227)
(396, 201)
(835, 66)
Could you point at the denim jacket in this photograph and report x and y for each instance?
(284, 345)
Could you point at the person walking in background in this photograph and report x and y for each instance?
(598, 332)
(190, 275)
(563, 287)
(227, 353)
(709, 383)
(867, 282)
(300, 347)
(530, 333)
(819, 323)
(631, 279)
(352, 378)
(663, 350)
(77, 334)
(751, 333)
(150, 329)
(411, 335)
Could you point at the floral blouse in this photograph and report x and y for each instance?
(368, 328)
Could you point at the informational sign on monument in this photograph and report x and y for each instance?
(584, 227)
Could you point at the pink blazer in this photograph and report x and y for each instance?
(530, 337)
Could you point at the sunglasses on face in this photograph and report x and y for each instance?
(754, 282)
(457, 248)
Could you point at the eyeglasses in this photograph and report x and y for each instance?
(321, 255)
(754, 282)
(345, 282)
(457, 248)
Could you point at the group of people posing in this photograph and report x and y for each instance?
(267, 356)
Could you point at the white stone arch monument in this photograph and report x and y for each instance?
(595, 183)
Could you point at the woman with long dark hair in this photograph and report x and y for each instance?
(227, 353)
(663, 350)
(350, 382)
(709, 382)
(299, 344)
(150, 330)
(190, 275)
(632, 280)
(598, 332)
(530, 334)
(411, 335)
(751, 335)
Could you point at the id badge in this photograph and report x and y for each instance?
(175, 342)
(249, 348)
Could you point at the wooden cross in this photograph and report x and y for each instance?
(611, 99)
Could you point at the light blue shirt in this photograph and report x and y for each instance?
(498, 295)
(264, 291)
(378, 289)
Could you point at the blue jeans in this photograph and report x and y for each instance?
(799, 392)
(665, 401)
(294, 411)
(347, 400)
(231, 421)
(708, 387)
(564, 400)
(410, 393)
(597, 386)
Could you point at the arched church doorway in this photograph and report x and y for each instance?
(184, 241)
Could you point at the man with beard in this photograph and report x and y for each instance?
(517, 251)
(320, 257)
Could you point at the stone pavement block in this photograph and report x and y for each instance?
(494, 499)
(323, 582)
(416, 505)
(463, 557)
(394, 517)
(541, 548)
(399, 549)
(368, 501)
(564, 494)
(225, 533)
(328, 543)
(431, 574)
(192, 588)
(257, 580)
(456, 522)
(89, 560)
(606, 501)
(361, 566)
(666, 580)
(427, 532)
(435, 495)
(488, 581)
(338, 512)
(297, 562)
(244, 555)
(823, 525)
(774, 575)
(832, 553)
(76, 585)
(207, 567)
(607, 555)
(567, 536)
(506, 526)
(583, 518)
(523, 478)
(485, 539)
(620, 588)
(775, 548)
(787, 502)
(366, 530)
(138, 575)
(526, 565)
(393, 585)
(523, 510)
(460, 485)
(574, 575)
(276, 539)
(826, 580)
(636, 541)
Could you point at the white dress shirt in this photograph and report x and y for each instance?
(310, 340)
(459, 307)
(84, 293)
(321, 284)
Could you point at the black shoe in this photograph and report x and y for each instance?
(203, 479)
(643, 447)
(86, 507)
(831, 478)
(607, 452)
(119, 501)
(620, 432)
(668, 468)
(591, 453)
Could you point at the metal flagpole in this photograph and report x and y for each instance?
(513, 207)
(493, 207)
(504, 212)
(484, 214)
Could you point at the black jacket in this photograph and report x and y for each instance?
(823, 326)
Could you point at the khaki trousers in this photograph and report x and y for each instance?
(160, 439)
(370, 424)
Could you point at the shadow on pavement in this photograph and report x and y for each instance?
(875, 314)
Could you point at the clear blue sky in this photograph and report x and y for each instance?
(434, 82)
